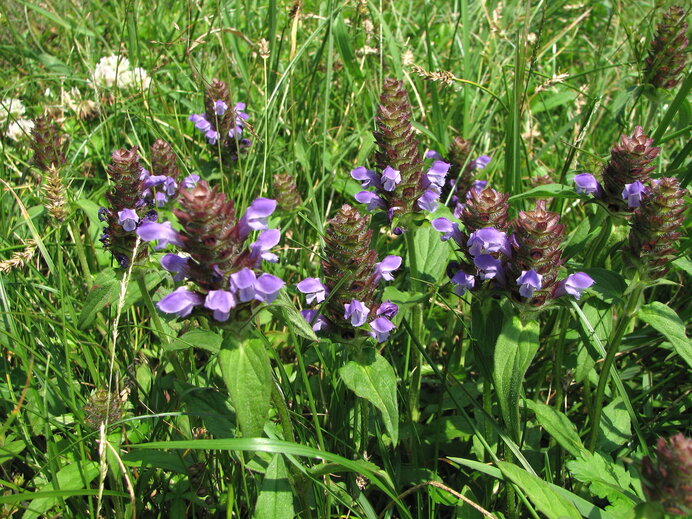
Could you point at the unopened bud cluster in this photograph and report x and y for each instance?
(50, 148)
(668, 52)
(668, 476)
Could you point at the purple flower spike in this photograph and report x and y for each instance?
(357, 312)
(163, 232)
(181, 302)
(380, 328)
(487, 239)
(313, 289)
(463, 282)
(128, 219)
(586, 184)
(428, 202)
(448, 229)
(256, 217)
(367, 177)
(436, 175)
(633, 193)
(432, 154)
(267, 287)
(574, 285)
(384, 269)
(390, 178)
(318, 322)
(529, 281)
(259, 250)
(243, 283)
(220, 107)
(480, 162)
(371, 199)
(221, 302)
(388, 309)
(176, 264)
(490, 267)
(190, 181)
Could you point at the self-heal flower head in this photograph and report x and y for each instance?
(529, 281)
(220, 302)
(242, 284)
(180, 302)
(489, 267)
(463, 282)
(371, 200)
(384, 269)
(381, 327)
(633, 194)
(313, 289)
(256, 218)
(586, 184)
(574, 285)
(366, 177)
(356, 312)
(128, 219)
(448, 229)
(387, 309)
(390, 178)
(486, 240)
(267, 288)
(161, 232)
(318, 322)
(260, 250)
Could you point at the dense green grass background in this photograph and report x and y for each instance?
(545, 88)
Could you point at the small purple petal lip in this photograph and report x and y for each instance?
(574, 285)
(463, 282)
(220, 107)
(432, 154)
(242, 283)
(384, 269)
(356, 312)
(313, 289)
(586, 184)
(487, 239)
(256, 217)
(176, 264)
(259, 250)
(633, 193)
(478, 186)
(161, 199)
(163, 232)
(212, 136)
(190, 181)
(381, 327)
(428, 202)
(437, 173)
(528, 282)
(480, 162)
(181, 302)
(267, 287)
(367, 177)
(387, 309)
(128, 219)
(390, 178)
(371, 199)
(490, 267)
(318, 322)
(448, 229)
(220, 302)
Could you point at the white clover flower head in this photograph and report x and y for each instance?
(11, 109)
(20, 129)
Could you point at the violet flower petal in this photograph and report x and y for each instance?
(381, 327)
(128, 219)
(463, 282)
(318, 322)
(221, 302)
(314, 290)
(242, 283)
(163, 232)
(529, 281)
(267, 287)
(387, 309)
(356, 312)
(384, 269)
(574, 285)
(181, 302)
(586, 184)
(390, 178)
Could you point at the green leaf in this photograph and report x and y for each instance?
(75, 476)
(609, 286)
(104, 292)
(551, 190)
(284, 310)
(516, 346)
(665, 321)
(276, 497)
(432, 254)
(203, 339)
(546, 499)
(373, 379)
(343, 44)
(558, 426)
(246, 371)
(616, 427)
(605, 479)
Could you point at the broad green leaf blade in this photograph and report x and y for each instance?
(203, 339)
(432, 254)
(100, 296)
(547, 500)
(558, 426)
(246, 370)
(516, 346)
(551, 190)
(374, 379)
(284, 309)
(665, 321)
(276, 497)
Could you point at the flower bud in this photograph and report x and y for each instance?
(668, 52)
(668, 477)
